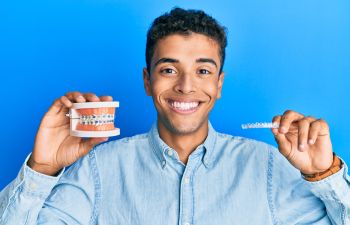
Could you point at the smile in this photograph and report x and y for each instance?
(184, 107)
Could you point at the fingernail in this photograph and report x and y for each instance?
(274, 132)
(283, 129)
(311, 142)
(301, 146)
(80, 97)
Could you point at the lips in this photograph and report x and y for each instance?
(184, 106)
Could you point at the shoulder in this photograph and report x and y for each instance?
(135, 140)
(104, 157)
(250, 153)
(124, 146)
(259, 150)
(242, 144)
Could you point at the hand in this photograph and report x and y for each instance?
(304, 141)
(54, 148)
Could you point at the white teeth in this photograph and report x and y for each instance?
(97, 119)
(184, 105)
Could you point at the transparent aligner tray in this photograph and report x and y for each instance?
(259, 125)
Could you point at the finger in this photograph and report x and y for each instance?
(55, 107)
(303, 133)
(91, 97)
(287, 119)
(284, 146)
(276, 120)
(75, 96)
(318, 129)
(88, 144)
(324, 128)
(106, 98)
(315, 128)
(66, 104)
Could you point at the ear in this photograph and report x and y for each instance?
(147, 82)
(220, 83)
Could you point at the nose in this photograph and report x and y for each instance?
(185, 84)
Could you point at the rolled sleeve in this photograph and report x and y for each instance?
(335, 187)
(27, 192)
(37, 184)
(334, 191)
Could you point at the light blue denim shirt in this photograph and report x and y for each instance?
(141, 181)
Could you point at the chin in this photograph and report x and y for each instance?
(182, 127)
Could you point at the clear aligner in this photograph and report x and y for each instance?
(260, 125)
(96, 120)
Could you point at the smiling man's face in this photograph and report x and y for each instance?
(184, 81)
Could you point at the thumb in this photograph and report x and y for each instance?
(284, 145)
(87, 145)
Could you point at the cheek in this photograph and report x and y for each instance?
(159, 86)
(210, 88)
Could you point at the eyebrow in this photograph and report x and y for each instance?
(207, 60)
(171, 60)
(166, 60)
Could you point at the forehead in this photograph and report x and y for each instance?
(189, 47)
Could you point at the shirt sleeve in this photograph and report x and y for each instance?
(35, 198)
(334, 191)
(294, 200)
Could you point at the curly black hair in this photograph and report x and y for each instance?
(184, 22)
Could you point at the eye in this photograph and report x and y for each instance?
(168, 71)
(204, 71)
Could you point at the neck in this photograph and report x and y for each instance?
(183, 144)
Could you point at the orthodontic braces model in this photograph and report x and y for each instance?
(93, 119)
(97, 119)
(260, 125)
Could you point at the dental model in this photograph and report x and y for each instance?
(93, 119)
(260, 125)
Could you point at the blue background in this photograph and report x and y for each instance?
(292, 54)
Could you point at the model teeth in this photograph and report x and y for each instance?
(184, 105)
(97, 120)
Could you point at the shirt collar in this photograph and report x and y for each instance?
(160, 147)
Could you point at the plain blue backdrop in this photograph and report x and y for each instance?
(292, 54)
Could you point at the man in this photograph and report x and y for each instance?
(182, 171)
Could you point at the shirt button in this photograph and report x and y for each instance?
(33, 185)
(170, 152)
(187, 180)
